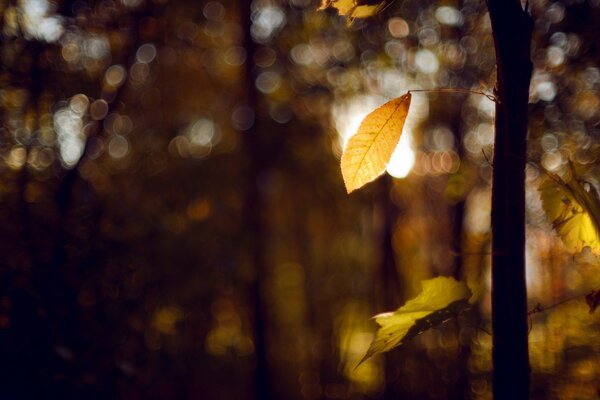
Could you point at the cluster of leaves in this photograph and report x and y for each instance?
(364, 159)
(571, 205)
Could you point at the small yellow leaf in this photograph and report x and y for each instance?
(370, 149)
(441, 298)
(351, 8)
(573, 211)
(344, 7)
(365, 11)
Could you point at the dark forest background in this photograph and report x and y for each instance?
(173, 221)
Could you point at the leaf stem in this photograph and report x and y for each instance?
(458, 90)
(539, 308)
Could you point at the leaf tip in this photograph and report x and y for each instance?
(365, 358)
(349, 188)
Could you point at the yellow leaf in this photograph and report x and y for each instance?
(370, 149)
(344, 7)
(441, 298)
(351, 8)
(573, 209)
(365, 11)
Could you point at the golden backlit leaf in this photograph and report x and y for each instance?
(351, 8)
(370, 149)
(441, 298)
(573, 209)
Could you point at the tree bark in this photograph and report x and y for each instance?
(512, 28)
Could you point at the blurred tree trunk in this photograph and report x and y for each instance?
(461, 389)
(254, 227)
(512, 29)
(390, 291)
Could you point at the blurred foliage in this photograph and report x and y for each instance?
(128, 265)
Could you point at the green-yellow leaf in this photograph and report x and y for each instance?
(370, 149)
(573, 209)
(441, 298)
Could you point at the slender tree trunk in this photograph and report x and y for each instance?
(253, 208)
(512, 27)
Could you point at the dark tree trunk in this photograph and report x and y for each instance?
(512, 27)
(254, 228)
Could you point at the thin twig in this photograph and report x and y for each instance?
(487, 158)
(482, 329)
(539, 308)
(458, 90)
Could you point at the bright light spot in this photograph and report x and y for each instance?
(213, 10)
(118, 147)
(555, 12)
(477, 216)
(16, 157)
(138, 73)
(79, 104)
(553, 161)
(131, 3)
(485, 134)
(555, 56)
(146, 53)
(98, 109)
(426, 61)
(266, 22)
(390, 79)
(96, 47)
(115, 75)
(302, 54)
(50, 29)
(403, 157)
(485, 105)
(398, 27)
(350, 114)
(268, 82)
(38, 23)
(202, 132)
(69, 130)
(449, 16)
(546, 90)
(235, 56)
(549, 143)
